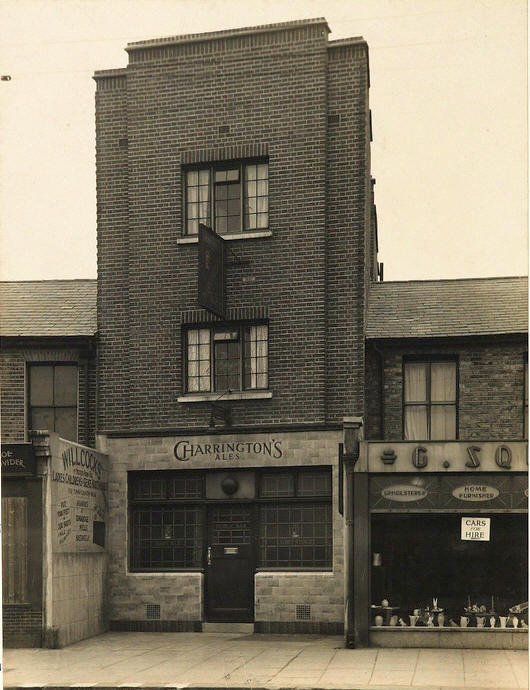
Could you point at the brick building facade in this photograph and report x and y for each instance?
(446, 428)
(263, 134)
(48, 390)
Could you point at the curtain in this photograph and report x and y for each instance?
(443, 389)
(415, 392)
(258, 357)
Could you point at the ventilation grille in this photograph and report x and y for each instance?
(224, 129)
(333, 119)
(152, 612)
(303, 612)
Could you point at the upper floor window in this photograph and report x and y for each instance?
(223, 358)
(228, 197)
(53, 398)
(430, 400)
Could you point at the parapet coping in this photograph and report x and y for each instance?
(353, 41)
(116, 72)
(228, 33)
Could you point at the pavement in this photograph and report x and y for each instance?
(255, 662)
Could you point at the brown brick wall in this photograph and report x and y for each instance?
(490, 392)
(348, 216)
(21, 625)
(14, 360)
(274, 90)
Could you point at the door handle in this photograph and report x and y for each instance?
(209, 556)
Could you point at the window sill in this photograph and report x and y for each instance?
(213, 397)
(194, 239)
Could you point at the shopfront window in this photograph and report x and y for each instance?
(430, 400)
(289, 515)
(422, 570)
(295, 532)
(166, 520)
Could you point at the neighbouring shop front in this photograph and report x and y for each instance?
(54, 561)
(22, 541)
(227, 528)
(444, 560)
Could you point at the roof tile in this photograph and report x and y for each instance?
(48, 308)
(446, 308)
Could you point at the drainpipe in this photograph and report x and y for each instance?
(352, 431)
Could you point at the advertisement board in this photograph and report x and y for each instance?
(78, 486)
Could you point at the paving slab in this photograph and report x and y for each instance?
(208, 661)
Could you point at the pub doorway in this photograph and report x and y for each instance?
(230, 560)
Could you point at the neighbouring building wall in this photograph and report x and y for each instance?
(490, 400)
(349, 207)
(78, 596)
(14, 360)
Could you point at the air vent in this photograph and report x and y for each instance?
(123, 143)
(224, 129)
(333, 119)
(303, 612)
(152, 612)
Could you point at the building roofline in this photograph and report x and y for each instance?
(50, 280)
(353, 40)
(113, 72)
(445, 280)
(227, 33)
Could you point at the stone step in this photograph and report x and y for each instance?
(228, 627)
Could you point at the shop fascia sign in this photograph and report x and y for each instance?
(228, 451)
(18, 460)
(453, 456)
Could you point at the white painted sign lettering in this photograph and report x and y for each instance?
(475, 492)
(403, 493)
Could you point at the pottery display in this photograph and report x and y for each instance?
(379, 621)
(441, 620)
(393, 620)
(480, 621)
(492, 621)
(464, 620)
(413, 620)
(502, 620)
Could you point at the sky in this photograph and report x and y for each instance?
(448, 99)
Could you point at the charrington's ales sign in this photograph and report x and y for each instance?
(228, 451)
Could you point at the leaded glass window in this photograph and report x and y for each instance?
(223, 358)
(228, 197)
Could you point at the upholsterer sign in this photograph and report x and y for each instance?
(433, 492)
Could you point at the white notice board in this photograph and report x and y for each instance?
(475, 529)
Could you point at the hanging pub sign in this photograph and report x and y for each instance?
(211, 271)
(18, 460)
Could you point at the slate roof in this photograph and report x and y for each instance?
(438, 308)
(48, 308)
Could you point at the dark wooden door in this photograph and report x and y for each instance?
(230, 564)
